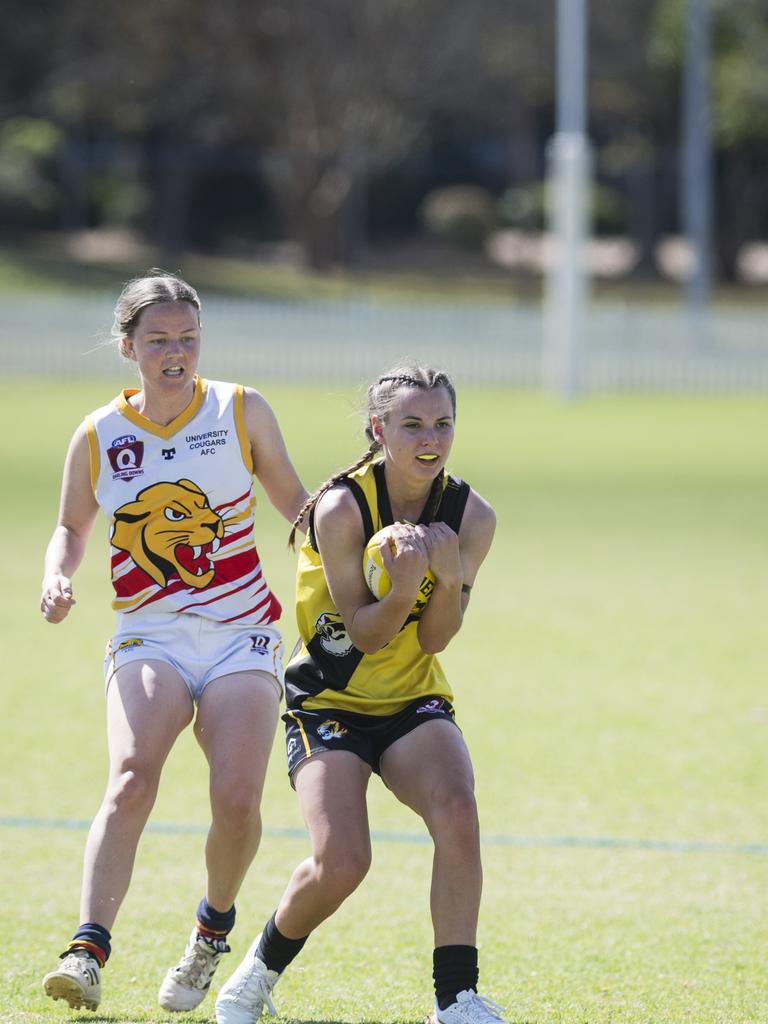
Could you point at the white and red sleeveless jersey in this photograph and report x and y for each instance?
(179, 501)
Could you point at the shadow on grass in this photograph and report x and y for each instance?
(340, 1020)
(425, 1019)
(202, 1018)
(148, 1017)
(80, 1017)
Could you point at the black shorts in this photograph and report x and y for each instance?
(312, 732)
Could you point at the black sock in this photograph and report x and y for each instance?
(454, 969)
(214, 925)
(93, 937)
(275, 950)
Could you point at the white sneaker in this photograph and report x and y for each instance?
(242, 998)
(470, 1008)
(77, 979)
(185, 985)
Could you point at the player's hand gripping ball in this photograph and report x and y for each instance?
(377, 577)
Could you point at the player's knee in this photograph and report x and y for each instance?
(341, 873)
(132, 791)
(456, 814)
(236, 808)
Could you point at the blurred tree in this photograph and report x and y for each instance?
(159, 77)
(740, 113)
(631, 125)
(353, 85)
(332, 93)
(462, 214)
(25, 46)
(29, 140)
(319, 99)
(27, 148)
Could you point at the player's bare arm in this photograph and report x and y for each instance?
(271, 463)
(444, 614)
(77, 513)
(370, 624)
(475, 538)
(442, 617)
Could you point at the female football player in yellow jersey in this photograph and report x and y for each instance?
(171, 465)
(365, 692)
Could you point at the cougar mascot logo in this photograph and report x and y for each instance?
(170, 529)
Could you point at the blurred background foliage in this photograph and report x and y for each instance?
(332, 131)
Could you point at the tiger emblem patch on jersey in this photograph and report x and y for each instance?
(333, 636)
(170, 529)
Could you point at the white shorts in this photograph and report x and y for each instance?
(199, 649)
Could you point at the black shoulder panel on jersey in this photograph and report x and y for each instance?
(357, 491)
(365, 512)
(453, 503)
(311, 531)
(382, 494)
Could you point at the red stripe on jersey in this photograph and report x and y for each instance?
(230, 537)
(121, 557)
(228, 570)
(219, 597)
(160, 593)
(132, 583)
(235, 501)
(273, 611)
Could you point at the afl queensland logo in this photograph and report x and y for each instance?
(333, 634)
(125, 456)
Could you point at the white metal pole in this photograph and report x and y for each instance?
(696, 168)
(569, 173)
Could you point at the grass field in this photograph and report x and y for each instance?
(610, 680)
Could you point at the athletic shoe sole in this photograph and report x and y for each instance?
(59, 986)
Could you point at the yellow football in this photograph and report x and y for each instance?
(377, 577)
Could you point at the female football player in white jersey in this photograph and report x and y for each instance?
(365, 692)
(171, 465)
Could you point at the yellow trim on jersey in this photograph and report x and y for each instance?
(125, 407)
(242, 431)
(304, 740)
(244, 546)
(121, 604)
(93, 451)
(240, 517)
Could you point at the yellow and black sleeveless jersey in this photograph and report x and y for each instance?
(327, 670)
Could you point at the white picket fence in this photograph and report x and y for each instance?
(628, 346)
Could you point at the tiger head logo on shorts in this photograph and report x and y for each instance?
(170, 529)
(331, 730)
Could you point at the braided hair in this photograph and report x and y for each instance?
(381, 396)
